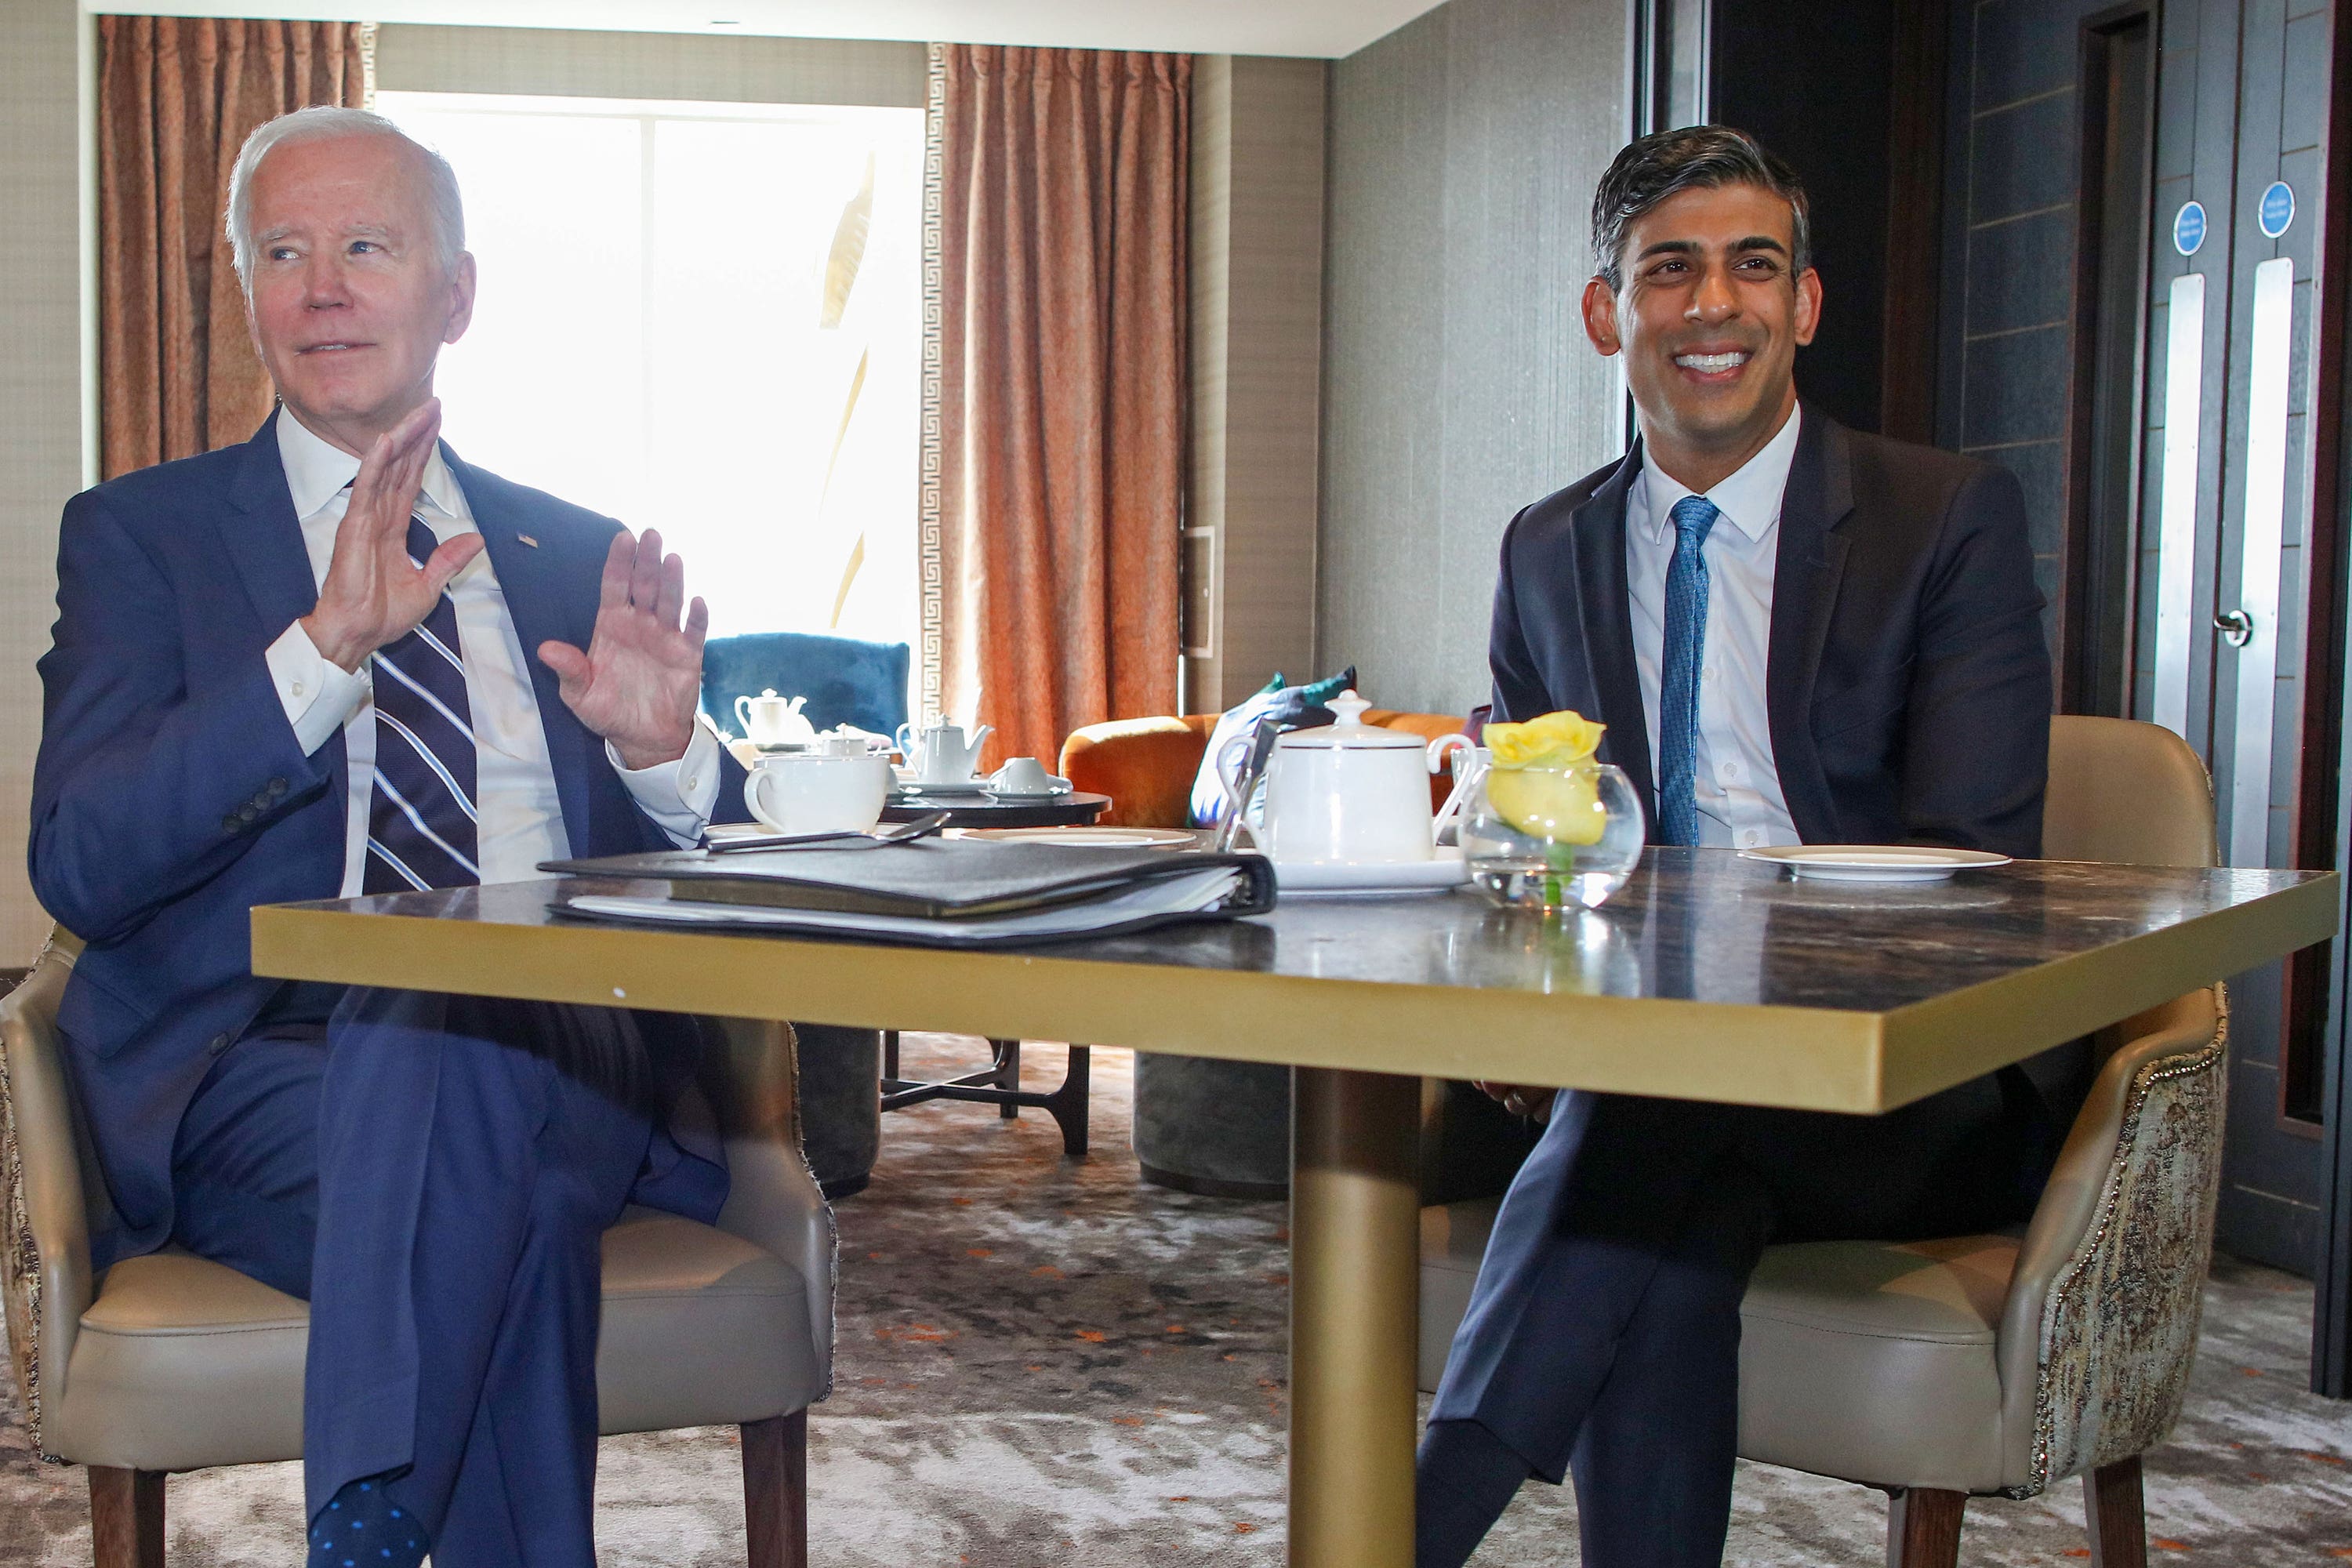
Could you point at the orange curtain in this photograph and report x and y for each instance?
(177, 97)
(1055, 424)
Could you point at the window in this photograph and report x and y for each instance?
(702, 318)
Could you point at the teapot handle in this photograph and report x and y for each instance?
(1463, 753)
(905, 741)
(1233, 758)
(743, 713)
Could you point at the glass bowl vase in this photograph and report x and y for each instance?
(1551, 839)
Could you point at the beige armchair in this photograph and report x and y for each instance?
(1999, 1364)
(171, 1362)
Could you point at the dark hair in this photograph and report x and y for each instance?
(1669, 161)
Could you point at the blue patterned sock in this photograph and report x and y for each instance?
(364, 1528)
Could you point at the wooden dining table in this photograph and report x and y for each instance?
(1708, 976)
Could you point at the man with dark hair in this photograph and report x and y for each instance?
(1795, 633)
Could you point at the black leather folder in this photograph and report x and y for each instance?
(930, 879)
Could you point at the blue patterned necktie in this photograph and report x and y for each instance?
(421, 818)
(1686, 650)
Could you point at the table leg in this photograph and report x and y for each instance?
(1355, 1280)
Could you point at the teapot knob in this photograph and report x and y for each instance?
(1349, 710)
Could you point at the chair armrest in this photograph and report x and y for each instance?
(2101, 1318)
(750, 1077)
(1145, 765)
(45, 1270)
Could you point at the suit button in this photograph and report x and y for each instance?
(231, 823)
(276, 788)
(248, 812)
(217, 1044)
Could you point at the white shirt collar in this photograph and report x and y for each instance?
(1749, 500)
(316, 470)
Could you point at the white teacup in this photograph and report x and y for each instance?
(1026, 776)
(807, 791)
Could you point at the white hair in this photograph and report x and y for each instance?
(327, 123)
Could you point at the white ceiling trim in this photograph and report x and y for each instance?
(1325, 28)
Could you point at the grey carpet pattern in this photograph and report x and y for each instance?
(1045, 1361)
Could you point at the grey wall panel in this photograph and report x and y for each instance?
(1457, 384)
(45, 118)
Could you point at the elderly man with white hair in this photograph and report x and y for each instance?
(338, 660)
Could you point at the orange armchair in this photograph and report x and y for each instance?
(1147, 765)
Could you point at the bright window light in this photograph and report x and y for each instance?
(706, 319)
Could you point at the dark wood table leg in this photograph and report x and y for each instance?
(1008, 1074)
(2116, 1508)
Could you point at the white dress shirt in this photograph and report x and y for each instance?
(521, 820)
(1738, 789)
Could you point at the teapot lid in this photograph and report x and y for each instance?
(1351, 733)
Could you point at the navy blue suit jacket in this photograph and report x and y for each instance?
(171, 797)
(1908, 681)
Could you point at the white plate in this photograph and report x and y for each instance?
(1104, 838)
(973, 787)
(1057, 786)
(1337, 879)
(1873, 862)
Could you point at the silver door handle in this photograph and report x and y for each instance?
(2236, 627)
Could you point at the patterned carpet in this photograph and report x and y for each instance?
(1046, 1361)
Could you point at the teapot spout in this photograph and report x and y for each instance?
(980, 738)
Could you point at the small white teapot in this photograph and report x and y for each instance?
(1347, 791)
(769, 720)
(940, 753)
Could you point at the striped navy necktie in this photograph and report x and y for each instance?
(421, 819)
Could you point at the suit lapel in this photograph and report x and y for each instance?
(262, 539)
(1805, 573)
(1598, 533)
(530, 578)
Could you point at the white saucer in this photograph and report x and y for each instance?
(968, 787)
(1873, 862)
(1360, 879)
(1057, 788)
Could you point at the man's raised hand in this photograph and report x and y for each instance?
(374, 593)
(638, 683)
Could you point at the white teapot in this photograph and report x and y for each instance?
(769, 720)
(940, 753)
(1348, 792)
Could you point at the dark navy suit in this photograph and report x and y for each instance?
(1909, 696)
(431, 1172)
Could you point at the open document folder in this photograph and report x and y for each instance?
(942, 893)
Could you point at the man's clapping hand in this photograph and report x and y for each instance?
(374, 593)
(638, 683)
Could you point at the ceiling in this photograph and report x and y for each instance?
(1312, 28)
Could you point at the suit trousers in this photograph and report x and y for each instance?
(433, 1174)
(1602, 1335)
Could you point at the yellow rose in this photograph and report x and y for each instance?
(1562, 804)
(1553, 740)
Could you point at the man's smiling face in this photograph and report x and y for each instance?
(350, 300)
(1709, 318)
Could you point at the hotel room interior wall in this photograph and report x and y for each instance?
(45, 380)
(553, 63)
(1256, 303)
(1457, 385)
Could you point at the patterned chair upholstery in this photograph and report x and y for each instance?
(1997, 1365)
(171, 1362)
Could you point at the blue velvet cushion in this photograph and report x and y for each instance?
(845, 680)
(1290, 707)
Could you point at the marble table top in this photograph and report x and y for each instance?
(1707, 974)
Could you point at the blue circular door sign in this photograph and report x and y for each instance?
(2189, 228)
(2277, 210)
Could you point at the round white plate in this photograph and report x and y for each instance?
(974, 787)
(1336, 879)
(1054, 787)
(1873, 862)
(1092, 837)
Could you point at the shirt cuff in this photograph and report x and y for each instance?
(680, 795)
(319, 695)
